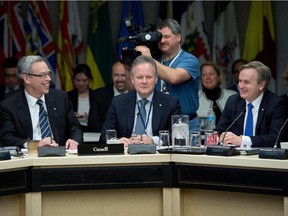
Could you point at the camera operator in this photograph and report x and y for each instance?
(178, 70)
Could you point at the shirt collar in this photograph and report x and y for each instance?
(256, 103)
(32, 100)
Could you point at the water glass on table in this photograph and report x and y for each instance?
(195, 139)
(164, 139)
(111, 136)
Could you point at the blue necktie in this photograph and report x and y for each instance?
(249, 121)
(43, 121)
(141, 117)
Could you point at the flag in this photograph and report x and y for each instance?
(260, 36)
(75, 27)
(39, 40)
(194, 36)
(12, 40)
(66, 55)
(134, 9)
(226, 47)
(99, 54)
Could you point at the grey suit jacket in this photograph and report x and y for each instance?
(121, 114)
(271, 117)
(16, 124)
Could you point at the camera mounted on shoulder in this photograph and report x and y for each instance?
(147, 36)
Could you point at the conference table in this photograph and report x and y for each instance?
(143, 184)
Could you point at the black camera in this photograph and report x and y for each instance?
(147, 36)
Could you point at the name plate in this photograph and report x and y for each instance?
(100, 149)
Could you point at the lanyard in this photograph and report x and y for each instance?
(141, 116)
(163, 84)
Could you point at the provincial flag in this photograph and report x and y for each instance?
(226, 47)
(130, 9)
(67, 39)
(194, 36)
(99, 54)
(39, 40)
(260, 35)
(12, 39)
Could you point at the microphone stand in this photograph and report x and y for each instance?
(275, 153)
(221, 149)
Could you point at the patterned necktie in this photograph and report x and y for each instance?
(249, 121)
(43, 121)
(141, 117)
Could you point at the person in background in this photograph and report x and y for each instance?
(235, 72)
(11, 80)
(103, 97)
(212, 95)
(259, 112)
(81, 96)
(21, 113)
(138, 115)
(178, 70)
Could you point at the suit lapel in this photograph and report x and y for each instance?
(24, 116)
(262, 108)
(131, 115)
(157, 110)
(52, 114)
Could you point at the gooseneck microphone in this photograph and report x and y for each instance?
(224, 150)
(241, 113)
(275, 153)
(280, 131)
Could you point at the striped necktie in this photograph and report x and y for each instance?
(43, 121)
(249, 121)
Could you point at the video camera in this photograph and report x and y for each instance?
(147, 36)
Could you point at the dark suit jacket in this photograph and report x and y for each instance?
(99, 107)
(73, 96)
(16, 124)
(271, 117)
(121, 114)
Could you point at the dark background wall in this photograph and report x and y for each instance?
(151, 9)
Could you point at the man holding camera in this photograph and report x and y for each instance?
(178, 70)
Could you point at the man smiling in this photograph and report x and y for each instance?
(22, 115)
(265, 112)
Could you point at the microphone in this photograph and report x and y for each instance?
(275, 153)
(280, 131)
(241, 113)
(142, 38)
(224, 150)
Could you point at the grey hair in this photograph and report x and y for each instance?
(143, 59)
(172, 24)
(25, 63)
(264, 72)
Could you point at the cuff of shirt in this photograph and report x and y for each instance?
(246, 142)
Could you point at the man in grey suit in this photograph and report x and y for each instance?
(19, 114)
(268, 111)
(125, 110)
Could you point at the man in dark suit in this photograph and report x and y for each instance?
(19, 114)
(102, 97)
(125, 110)
(11, 80)
(268, 112)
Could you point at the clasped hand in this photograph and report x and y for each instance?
(137, 139)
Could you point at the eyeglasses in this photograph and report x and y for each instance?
(41, 75)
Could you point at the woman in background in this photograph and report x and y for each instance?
(211, 94)
(81, 95)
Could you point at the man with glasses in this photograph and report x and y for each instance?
(11, 80)
(38, 112)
